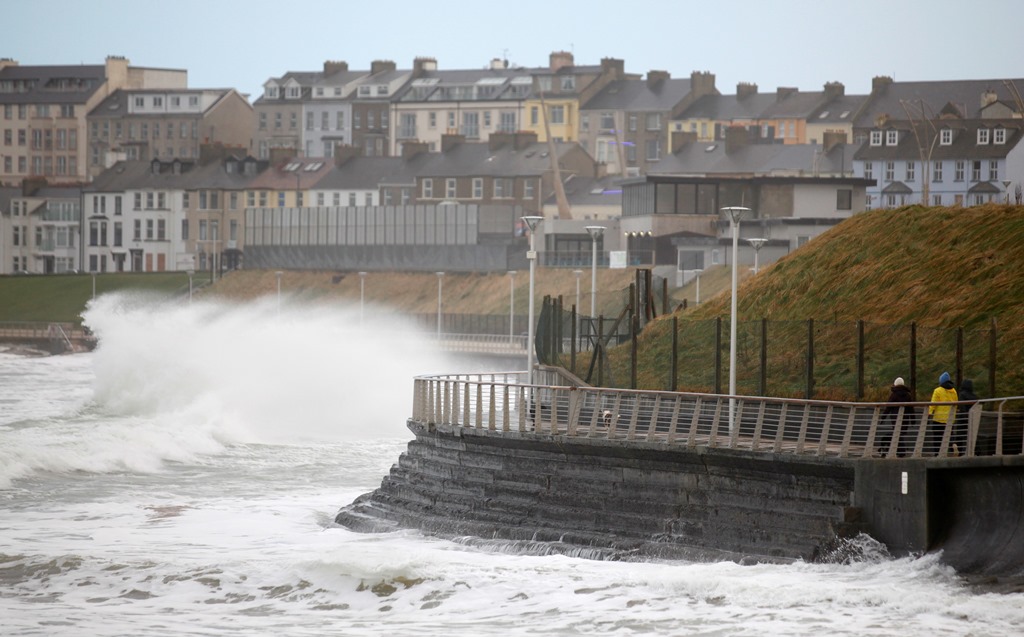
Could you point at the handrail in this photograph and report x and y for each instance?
(503, 402)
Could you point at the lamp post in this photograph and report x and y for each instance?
(1006, 186)
(190, 273)
(595, 232)
(362, 295)
(757, 244)
(578, 273)
(531, 222)
(94, 285)
(696, 273)
(735, 214)
(278, 275)
(511, 306)
(440, 277)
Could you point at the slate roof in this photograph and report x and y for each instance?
(965, 140)
(115, 105)
(591, 191)
(841, 110)
(365, 173)
(728, 107)
(757, 160)
(89, 78)
(964, 95)
(637, 95)
(138, 174)
(478, 160)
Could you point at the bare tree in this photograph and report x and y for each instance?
(926, 134)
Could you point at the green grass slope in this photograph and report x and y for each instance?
(943, 268)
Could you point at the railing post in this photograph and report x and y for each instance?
(674, 370)
(764, 358)
(992, 359)
(718, 355)
(810, 359)
(860, 359)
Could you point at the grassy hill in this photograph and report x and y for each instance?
(942, 268)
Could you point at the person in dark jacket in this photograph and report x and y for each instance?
(966, 395)
(899, 393)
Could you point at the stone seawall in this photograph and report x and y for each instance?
(632, 497)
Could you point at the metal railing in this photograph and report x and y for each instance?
(503, 402)
(483, 343)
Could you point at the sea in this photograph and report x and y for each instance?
(183, 478)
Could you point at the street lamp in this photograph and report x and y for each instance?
(190, 273)
(278, 275)
(94, 285)
(696, 273)
(595, 232)
(578, 272)
(531, 222)
(735, 214)
(1006, 185)
(440, 276)
(757, 244)
(511, 306)
(362, 295)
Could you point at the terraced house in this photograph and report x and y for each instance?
(45, 109)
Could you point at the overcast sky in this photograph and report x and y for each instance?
(802, 43)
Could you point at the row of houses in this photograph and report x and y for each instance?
(433, 169)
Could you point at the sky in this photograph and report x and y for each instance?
(771, 43)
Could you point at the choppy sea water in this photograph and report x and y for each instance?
(183, 479)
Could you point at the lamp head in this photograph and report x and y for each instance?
(735, 213)
(758, 243)
(532, 222)
(595, 232)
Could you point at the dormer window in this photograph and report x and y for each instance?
(999, 136)
(983, 136)
(569, 83)
(319, 91)
(272, 92)
(876, 138)
(946, 137)
(364, 91)
(293, 92)
(382, 89)
(892, 138)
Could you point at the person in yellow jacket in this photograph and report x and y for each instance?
(940, 414)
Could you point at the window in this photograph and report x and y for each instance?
(451, 119)
(478, 188)
(946, 136)
(999, 136)
(557, 114)
(892, 138)
(982, 136)
(568, 83)
(161, 230)
(432, 119)
(911, 170)
(428, 188)
(876, 138)
(471, 125)
(528, 189)
(449, 188)
(890, 170)
(407, 126)
(117, 204)
(352, 199)
(869, 170)
(653, 121)
(487, 119)
(533, 115)
(357, 120)
(158, 102)
(958, 172)
(844, 199)
(503, 188)
(325, 123)
(280, 199)
(936, 200)
(140, 102)
(937, 171)
(653, 149)
(976, 170)
(336, 199)
(993, 170)
(339, 120)
(607, 121)
(406, 196)
(149, 229)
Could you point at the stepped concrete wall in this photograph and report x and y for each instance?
(639, 498)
